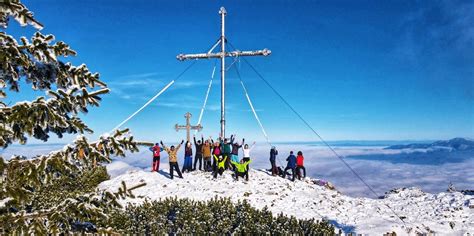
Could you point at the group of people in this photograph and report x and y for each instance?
(216, 157)
(211, 156)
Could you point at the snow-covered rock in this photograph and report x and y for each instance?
(443, 213)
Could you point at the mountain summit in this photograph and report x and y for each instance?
(443, 213)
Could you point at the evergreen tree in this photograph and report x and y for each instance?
(32, 199)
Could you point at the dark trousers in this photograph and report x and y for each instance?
(298, 169)
(245, 159)
(292, 170)
(174, 166)
(207, 164)
(274, 168)
(227, 160)
(241, 174)
(218, 171)
(156, 164)
(197, 158)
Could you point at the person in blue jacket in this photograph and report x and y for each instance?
(291, 164)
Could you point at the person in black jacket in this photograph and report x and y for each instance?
(198, 155)
(273, 154)
(235, 153)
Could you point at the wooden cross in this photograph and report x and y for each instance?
(188, 127)
(222, 55)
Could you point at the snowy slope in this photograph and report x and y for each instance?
(422, 212)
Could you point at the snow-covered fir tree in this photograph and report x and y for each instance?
(70, 90)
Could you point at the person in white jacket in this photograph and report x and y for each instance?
(246, 158)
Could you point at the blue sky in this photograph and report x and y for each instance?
(356, 70)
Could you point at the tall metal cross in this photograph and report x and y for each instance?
(188, 127)
(222, 55)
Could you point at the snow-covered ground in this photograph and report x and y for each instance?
(444, 213)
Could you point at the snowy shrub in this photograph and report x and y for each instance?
(216, 216)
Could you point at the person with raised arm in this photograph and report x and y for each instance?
(246, 157)
(207, 154)
(198, 155)
(220, 162)
(173, 158)
(226, 149)
(241, 169)
(156, 157)
(188, 157)
(235, 151)
(216, 150)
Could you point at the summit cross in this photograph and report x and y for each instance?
(222, 55)
(188, 127)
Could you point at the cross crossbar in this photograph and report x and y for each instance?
(222, 55)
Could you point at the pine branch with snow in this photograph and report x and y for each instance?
(70, 90)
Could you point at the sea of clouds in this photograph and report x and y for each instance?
(382, 169)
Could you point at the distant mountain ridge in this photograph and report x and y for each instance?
(455, 144)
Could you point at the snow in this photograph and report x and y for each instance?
(422, 212)
(3, 202)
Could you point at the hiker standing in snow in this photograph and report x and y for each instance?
(226, 149)
(235, 152)
(188, 157)
(273, 154)
(246, 158)
(300, 165)
(156, 157)
(291, 164)
(216, 150)
(241, 169)
(198, 156)
(220, 162)
(207, 154)
(173, 158)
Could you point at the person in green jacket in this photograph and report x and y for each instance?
(226, 147)
(220, 165)
(241, 169)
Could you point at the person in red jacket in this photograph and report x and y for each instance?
(300, 165)
(156, 157)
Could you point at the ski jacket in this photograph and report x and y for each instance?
(291, 159)
(188, 151)
(220, 164)
(199, 146)
(226, 147)
(247, 151)
(273, 154)
(241, 167)
(236, 146)
(299, 160)
(206, 150)
(173, 157)
(156, 150)
(216, 150)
